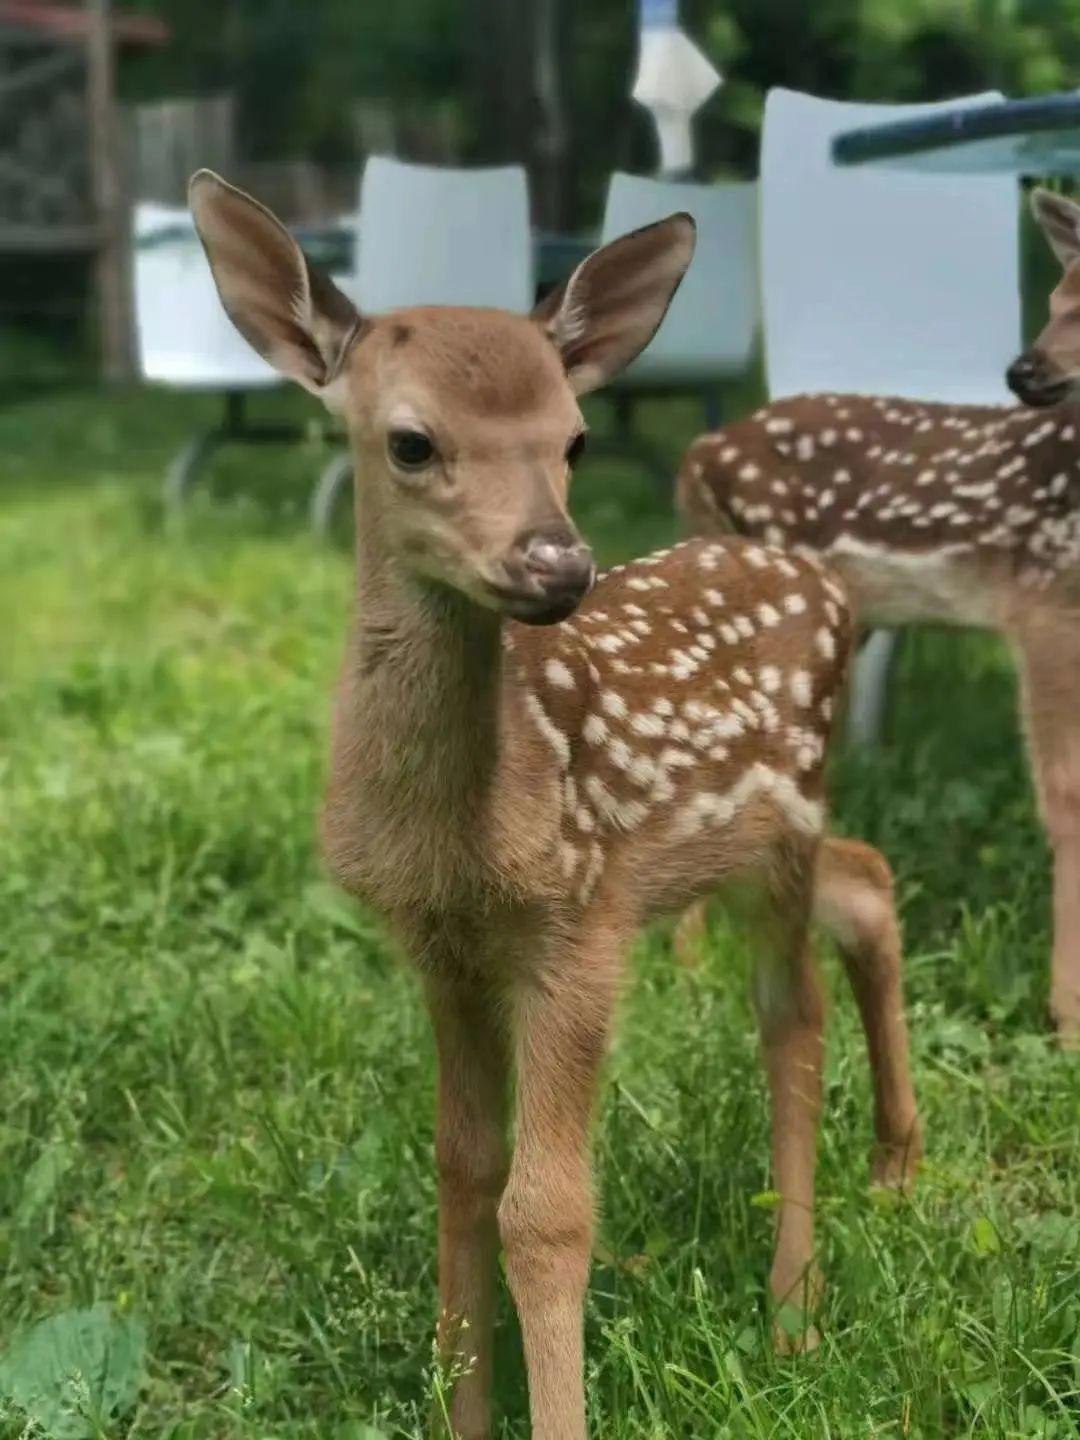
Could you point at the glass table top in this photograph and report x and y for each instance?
(1039, 136)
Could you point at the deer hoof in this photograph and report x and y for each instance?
(1068, 1032)
(803, 1342)
(894, 1166)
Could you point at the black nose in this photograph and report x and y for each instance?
(1029, 379)
(559, 569)
(558, 558)
(1021, 372)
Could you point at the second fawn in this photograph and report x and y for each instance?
(523, 771)
(962, 515)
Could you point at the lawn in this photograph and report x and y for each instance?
(216, 1083)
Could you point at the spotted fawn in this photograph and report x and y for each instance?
(526, 764)
(960, 515)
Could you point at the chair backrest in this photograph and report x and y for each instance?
(184, 336)
(435, 236)
(882, 281)
(710, 329)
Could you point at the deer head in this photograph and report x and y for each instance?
(464, 422)
(1049, 371)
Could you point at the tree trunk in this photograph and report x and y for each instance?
(113, 267)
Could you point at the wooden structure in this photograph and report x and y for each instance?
(61, 176)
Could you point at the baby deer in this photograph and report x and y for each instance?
(523, 771)
(950, 514)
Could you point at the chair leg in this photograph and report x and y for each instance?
(622, 404)
(180, 475)
(327, 492)
(868, 700)
(235, 413)
(626, 441)
(713, 400)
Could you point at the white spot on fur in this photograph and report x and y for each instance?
(711, 808)
(802, 688)
(643, 770)
(619, 753)
(594, 729)
(547, 727)
(647, 725)
(559, 674)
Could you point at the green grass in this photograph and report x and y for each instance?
(216, 1085)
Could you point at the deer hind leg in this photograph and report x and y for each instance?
(473, 1063)
(1049, 653)
(688, 938)
(853, 902)
(791, 1016)
(546, 1215)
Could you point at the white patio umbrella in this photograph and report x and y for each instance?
(674, 79)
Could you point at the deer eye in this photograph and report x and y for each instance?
(575, 449)
(410, 449)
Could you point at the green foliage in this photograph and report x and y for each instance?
(297, 69)
(216, 1093)
(75, 1373)
(883, 50)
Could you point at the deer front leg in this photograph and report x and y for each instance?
(546, 1214)
(1049, 648)
(791, 1016)
(472, 1155)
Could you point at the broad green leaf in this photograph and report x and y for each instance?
(984, 1237)
(75, 1372)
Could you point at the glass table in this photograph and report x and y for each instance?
(554, 255)
(1040, 136)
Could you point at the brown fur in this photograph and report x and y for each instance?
(876, 488)
(957, 514)
(513, 802)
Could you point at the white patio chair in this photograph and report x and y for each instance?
(709, 333)
(187, 342)
(429, 235)
(881, 281)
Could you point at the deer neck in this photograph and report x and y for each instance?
(438, 799)
(425, 683)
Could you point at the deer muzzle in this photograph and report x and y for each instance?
(1035, 381)
(549, 573)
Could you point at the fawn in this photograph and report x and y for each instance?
(960, 515)
(522, 770)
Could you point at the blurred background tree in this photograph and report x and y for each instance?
(318, 84)
(548, 80)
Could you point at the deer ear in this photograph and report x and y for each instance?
(613, 303)
(293, 315)
(1060, 222)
